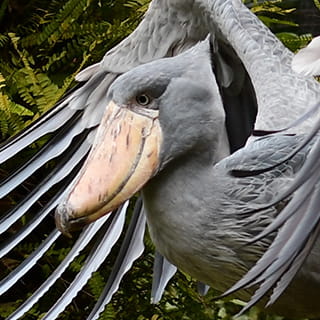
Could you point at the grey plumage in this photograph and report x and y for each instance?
(298, 230)
(263, 79)
(233, 210)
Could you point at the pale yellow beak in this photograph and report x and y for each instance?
(123, 158)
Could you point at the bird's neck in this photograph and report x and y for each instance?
(183, 221)
(178, 199)
(171, 199)
(175, 193)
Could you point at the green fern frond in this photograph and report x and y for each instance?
(272, 12)
(271, 7)
(138, 5)
(269, 21)
(108, 313)
(26, 248)
(8, 308)
(3, 40)
(293, 41)
(35, 88)
(10, 112)
(68, 14)
(96, 284)
(77, 264)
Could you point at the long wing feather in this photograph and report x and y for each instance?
(46, 124)
(86, 236)
(163, 271)
(98, 254)
(28, 263)
(53, 148)
(297, 227)
(131, 248)
(282, 95)
(16, 238)
(77, 115)
(76, 154)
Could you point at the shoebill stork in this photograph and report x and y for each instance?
(252, 83)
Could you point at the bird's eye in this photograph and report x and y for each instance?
(143, 99)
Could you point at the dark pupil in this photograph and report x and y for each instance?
(143, 99)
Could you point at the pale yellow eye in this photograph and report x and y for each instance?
(143, 99)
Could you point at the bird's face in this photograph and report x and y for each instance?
(157, 112)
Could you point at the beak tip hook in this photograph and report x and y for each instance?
(62, 218)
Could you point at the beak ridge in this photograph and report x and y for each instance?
(124, 156)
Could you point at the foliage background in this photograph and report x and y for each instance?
(43, 44)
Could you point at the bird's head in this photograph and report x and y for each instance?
(157, 112)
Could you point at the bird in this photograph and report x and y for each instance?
(174, 140)
(257, 88)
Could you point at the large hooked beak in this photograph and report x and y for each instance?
(123, 158)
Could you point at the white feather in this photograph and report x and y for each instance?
(307, 60)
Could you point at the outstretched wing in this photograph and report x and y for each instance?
(297, 227)
(69, 129)
(282, 95)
